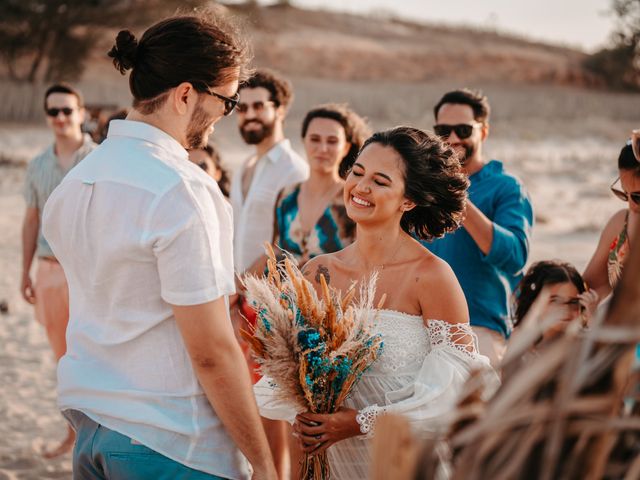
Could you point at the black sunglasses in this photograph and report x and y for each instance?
(229, 103)
(463, 130)
(625, 196)
(53, 112)
(257, 106)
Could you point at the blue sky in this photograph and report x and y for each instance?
(579, 23)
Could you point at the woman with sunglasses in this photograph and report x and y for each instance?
(605, 268)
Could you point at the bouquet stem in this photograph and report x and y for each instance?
(315, 467)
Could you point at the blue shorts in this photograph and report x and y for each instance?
(101, 454)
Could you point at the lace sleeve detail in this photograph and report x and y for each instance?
(458, 336)
(367, 418)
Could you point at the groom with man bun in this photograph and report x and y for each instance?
(150, 381)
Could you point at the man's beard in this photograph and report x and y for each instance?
(254, 137)
(197, 130)
(469, 151)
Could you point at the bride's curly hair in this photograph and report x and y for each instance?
(433, 180)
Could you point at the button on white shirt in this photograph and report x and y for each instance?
(280, 167)
(137, 227)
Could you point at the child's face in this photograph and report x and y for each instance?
(563, 303)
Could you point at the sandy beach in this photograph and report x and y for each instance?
(29, 419)
(568, 181)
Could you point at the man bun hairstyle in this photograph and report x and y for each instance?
(124, 51)
(280, 89)
(206, 50)
(433, 181)
(356, 129)
(465, 96)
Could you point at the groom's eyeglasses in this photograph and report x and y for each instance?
(463, 130)
(229, 103)
(625, 196)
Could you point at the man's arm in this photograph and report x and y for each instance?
(30, 228)
(505, 240)
(221, 370)
(479, 227)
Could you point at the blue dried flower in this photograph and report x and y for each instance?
(262, 315)
(308, 339)
(342, 367)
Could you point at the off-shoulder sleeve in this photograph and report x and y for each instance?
(435, 390)
(271, 406)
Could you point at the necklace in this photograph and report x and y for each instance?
(381, 266)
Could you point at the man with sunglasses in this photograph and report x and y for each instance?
(152, 381)
(264, 103)
(488, 253)
(64, 109)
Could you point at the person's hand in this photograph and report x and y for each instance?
(316, 432)
(26, 287)
(588, 305)
(635, 143)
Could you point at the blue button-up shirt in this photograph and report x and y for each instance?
(488, 281)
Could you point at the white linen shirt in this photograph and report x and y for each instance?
(138, 227)
(279, 168)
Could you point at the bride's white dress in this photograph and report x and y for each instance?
(419, 375)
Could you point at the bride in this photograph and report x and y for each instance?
(404, 184)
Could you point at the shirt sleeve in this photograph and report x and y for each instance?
(191, 235)
(512, 224)
(29, 191)
(434, 392)
(299, 172)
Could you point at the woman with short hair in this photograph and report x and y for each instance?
(404, 183)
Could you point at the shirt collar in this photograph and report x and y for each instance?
(494, 167)
(278, 150)
(149, 133)
(87, 143)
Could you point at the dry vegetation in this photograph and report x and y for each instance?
(357, 58)
(351, 47)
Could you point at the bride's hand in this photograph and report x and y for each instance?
(316, 432)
